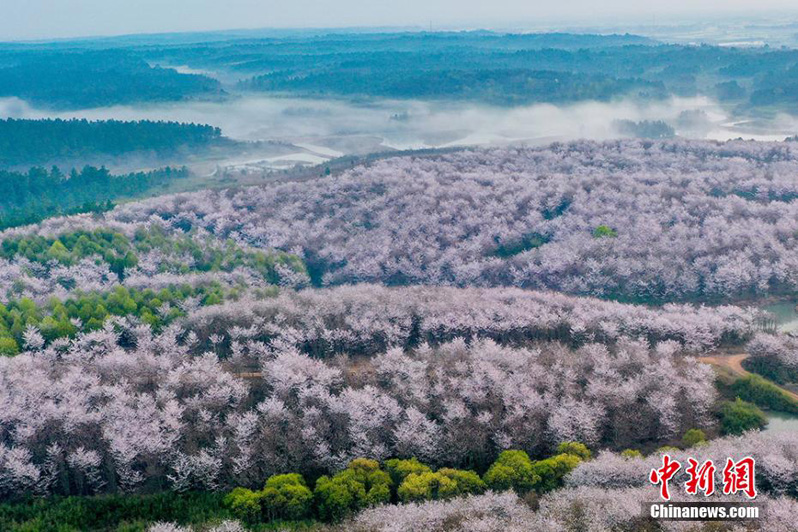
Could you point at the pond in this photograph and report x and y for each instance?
(785, 314)
(778, 422)
(786, 321)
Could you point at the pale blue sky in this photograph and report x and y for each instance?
(41, 19)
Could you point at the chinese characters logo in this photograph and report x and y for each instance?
(738, 477)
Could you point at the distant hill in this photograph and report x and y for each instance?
(70, 79)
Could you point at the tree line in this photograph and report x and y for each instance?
(76, 79)
(85, 312)
(36, 142)
(29, 197)
(364, 483)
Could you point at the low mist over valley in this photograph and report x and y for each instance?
(324, 95)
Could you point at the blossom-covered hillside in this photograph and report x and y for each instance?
(636, 220)
(415, 330)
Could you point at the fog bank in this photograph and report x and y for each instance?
(334, 127)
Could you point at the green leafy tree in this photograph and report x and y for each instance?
(360, 485)
(512, 470)
(286, 497)
(245, 504)
(551, 471)
(576, 449)
(335, 499)
(90, 310)
(693, 437)
(442, 484)
(399, 469)
(422, 487)
(465, 483)
(58, 252)
(604, 231)
(8, 346)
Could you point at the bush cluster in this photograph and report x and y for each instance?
(364, 483)
(88, 311)
(112, 247)
(764, 394)
(738, 416)
(178, 253)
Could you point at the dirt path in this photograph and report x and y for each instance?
(734, 364)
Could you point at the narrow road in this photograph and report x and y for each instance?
(734, 363)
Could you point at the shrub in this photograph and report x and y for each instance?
(693, 437)
(604, 231)
(764, 394)
(576, 449)
(771, 367)
(466, 482)
(512, 470)
(286, 497)
(400, 469)
(360, 485)
(245, 504)
(423, 487)
(552, 470)
(335, 499)
(739, 416)
(443, 484)
(8, 346)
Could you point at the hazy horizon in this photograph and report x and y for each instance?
(42, 20)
